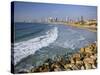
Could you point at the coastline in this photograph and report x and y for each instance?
(62, 61)
(86, 27)
(84, 59)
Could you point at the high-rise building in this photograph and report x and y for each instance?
(82, 20)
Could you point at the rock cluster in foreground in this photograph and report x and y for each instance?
(85, 59)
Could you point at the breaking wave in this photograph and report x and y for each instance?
(28, 47)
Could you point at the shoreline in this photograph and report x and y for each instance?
(37, 69)
(84, 59)
(86, 27)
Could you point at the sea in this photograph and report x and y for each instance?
(36, 42)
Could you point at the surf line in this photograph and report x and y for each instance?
(26, 48)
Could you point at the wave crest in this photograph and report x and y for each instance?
(26, 48)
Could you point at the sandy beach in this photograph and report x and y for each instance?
(92, 28)
(87, 27)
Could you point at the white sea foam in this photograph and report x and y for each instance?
(72, 38)
(26, 48)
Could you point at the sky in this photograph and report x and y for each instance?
(24, 11)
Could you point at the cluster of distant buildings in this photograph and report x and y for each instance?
(68, 20)
(80, 21)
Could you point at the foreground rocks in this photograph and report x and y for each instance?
(85, 59)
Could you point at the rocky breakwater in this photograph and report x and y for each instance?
(85, 59)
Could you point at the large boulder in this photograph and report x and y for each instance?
(76, 57)
(82, 50)
(88, 61)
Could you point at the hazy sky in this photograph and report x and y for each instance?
(29, 11)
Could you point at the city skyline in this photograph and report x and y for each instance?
(24, 11)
